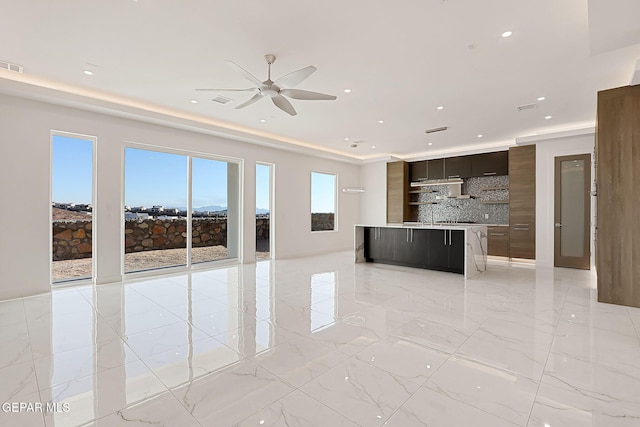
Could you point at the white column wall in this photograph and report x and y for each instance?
(25, 127)
(373, 206)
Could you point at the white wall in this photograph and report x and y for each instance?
(546, 152)
(373, 202)
(25, 128)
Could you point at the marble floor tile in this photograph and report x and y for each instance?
(512, 342)
(363, 393)
(596, 345)
(141, 321)
(347, 335)
(299, 360)
(228, 396)
(188, 362)
(403, 359)
(297, 409)
(501, 393)
(17, 346)
(101, 394)
(69, 332)
(162, 339)
(12, 312)
(323, 341)
(429, 408)
(575, 393)
(161, 410)
(438, 336)
(15, 417)
(70, 365)
(18, 380)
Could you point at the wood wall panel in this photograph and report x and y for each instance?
(397, 192)
(522, 202)
(617, 171)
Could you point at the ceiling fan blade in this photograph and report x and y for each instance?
(282, 103)
(251, 89)
(295, 78)
(247, 75)
(307, 95)
(253, 99)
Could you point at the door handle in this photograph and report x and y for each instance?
(490, 173)
(408, 235)
(445, 237)
(558, 225)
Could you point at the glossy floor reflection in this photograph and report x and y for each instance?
(323, 341)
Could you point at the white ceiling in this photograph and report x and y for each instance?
(401, 59)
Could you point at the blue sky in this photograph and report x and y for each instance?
(262, 187)
(323, 187)
(72, 170)
(156, 178)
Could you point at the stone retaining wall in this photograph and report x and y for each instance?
(72, 239)
(322, 221)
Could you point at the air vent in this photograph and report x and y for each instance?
(526, 107)
(434, 130)
(11, 67)
(222, 100)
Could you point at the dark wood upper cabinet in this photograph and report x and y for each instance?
(417, 171)
(435, 169)
(457, 167)
(490, 164)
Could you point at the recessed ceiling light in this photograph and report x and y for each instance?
(88, 72)
(542, 98)
(548, 117)
(347, 90)
(440, 107)
(380, 121)
(431, 143)
(507, 34)
(373, 146)
(346, 139)
(262, 120)
(480, 135)
(193, 101)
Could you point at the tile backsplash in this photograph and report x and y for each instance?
(484, 189)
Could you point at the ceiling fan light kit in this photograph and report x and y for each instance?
(279, 89)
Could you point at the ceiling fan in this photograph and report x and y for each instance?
(279, 89)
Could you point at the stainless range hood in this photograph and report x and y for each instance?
(432, 182)
(454, 187)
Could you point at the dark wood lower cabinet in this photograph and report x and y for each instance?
(423, 248)
(498, 241)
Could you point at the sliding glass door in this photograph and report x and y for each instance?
(155, 198)
(179, 209)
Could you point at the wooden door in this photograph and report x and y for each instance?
(572, 212)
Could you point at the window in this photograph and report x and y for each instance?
(264, 223)
(72, 207)
(323, 201)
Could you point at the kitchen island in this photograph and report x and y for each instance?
(456, 248)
